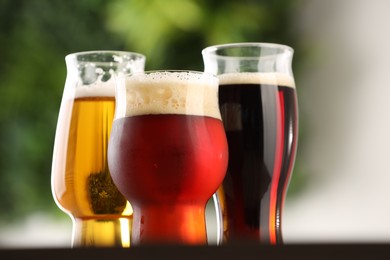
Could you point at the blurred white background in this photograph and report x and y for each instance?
(346, 102)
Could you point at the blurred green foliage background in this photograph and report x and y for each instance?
(35, 36)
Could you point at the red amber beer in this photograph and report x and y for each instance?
(168, 153)
(259, 109)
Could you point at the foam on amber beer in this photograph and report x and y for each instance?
(167, 92)
(97, 89)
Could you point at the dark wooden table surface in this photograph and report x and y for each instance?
(237, 252)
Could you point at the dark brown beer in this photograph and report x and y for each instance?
(261, 123)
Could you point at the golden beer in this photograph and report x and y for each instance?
(81, 182)
(84, 186)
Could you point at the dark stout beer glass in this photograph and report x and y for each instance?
(259, 109)
(168, 153)
(81, 183)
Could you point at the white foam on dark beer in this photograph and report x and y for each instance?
(172, 93)
(269, 78)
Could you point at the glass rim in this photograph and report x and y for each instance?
(212, 50)
(97, 52)
(195, 72)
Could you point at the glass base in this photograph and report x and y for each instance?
(102, 232)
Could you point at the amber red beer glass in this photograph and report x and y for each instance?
(258, 104)
(168, 153)
(81, 183)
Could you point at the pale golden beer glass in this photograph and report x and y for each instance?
(81, 183)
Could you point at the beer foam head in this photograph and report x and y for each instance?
(268, 78)
(97, 89)
(191, 93)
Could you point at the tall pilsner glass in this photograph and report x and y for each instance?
(259, 109)
(81, 183)
(168, 153)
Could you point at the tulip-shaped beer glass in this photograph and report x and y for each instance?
(259, 109)
(168, 153)
(81, 183)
